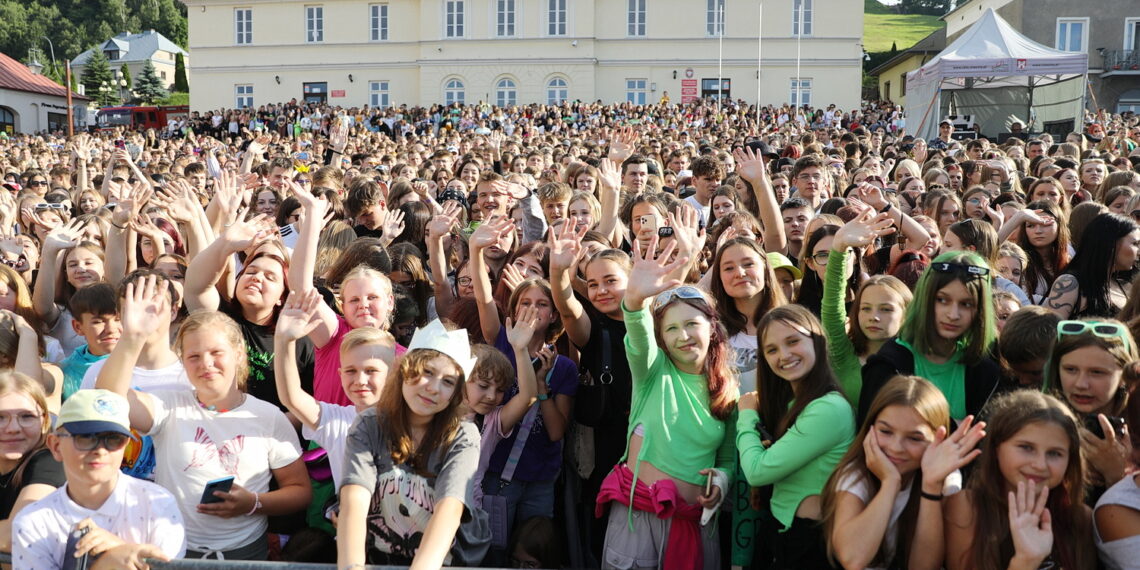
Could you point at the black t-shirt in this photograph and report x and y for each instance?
(42, 468)
(262, 382)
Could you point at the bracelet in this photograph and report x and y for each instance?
(113, 224)
(886, 208)
(257, 503)
(543, 397)
(930, 496)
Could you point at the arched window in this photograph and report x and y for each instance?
(453, 92)
(557, 91)
(506, 92)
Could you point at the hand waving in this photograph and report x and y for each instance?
(1030, 524)
(565, 247)
(299, 316)
(650, 274)
(862, 231)
(520, 332)
(946, 454)
(144, 306)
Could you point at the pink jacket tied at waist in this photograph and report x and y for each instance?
(683, 548)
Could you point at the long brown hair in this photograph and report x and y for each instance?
(1039, 267)
(776, 393)
(392, 413)
(722, 382)
(1072, 527)
(927, 401)
(771, 296)
(888, 282)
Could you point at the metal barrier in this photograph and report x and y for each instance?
(182, 564)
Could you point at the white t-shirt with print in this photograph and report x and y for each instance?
(330, 434)
(194, 446)
(171, 377)
(745, 352)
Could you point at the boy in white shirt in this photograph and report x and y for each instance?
(126, 519)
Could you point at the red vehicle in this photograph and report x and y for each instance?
(140, 118)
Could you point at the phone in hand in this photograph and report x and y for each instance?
(120, 143)
(1092, 423)
(223, 484)
(70, 562)
(709, 484)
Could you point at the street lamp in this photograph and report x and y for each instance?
(34, 64)
(51, 47)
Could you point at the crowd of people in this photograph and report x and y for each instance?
(580, 335)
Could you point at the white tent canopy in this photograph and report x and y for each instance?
(991, 72)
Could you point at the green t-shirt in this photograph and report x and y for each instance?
(949, 377)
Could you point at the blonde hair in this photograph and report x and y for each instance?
(215, 323)
(368, 336)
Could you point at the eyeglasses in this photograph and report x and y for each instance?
(23, 419)
(962, 269)
(38, 183)
(464, 282)
(805, 176)
(1098, 328)
(684, 292)
(820, 258)
(109, 440)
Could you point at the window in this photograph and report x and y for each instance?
(902, 85)
(887, 90)
(714, 18)
(243, 26)
(454, 24)
(801, 8)
(1072, 34)
(1131, 33)
(635, 91)
(378, 22)
(801, 92)
(378, 96)
(453, 92)
(636, 18)
(556, 18)
(506, 92)
(314, 24)
(505, 18)
(244, 95)
(112, 54)
(163, 74)
(557, 91)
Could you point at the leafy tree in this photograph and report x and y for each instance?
(181, 83)
(125, 72)
(96, 73)
(149, 86)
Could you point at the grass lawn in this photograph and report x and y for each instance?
(882, 28)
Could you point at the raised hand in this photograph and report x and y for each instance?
(392, 224)
(300, 315)
(862, 230)
(244, 235)
(520, 332)
(946, 454)
(650, 274)
(512, 277)
(338, 135)
(144, 307)
(565, 247)
(749, 165)
(871, 195)
(442, 224)
(687, 230)
(1030, 524)
(489, 233)
(621, 147)
(609, 174)
(65, 236)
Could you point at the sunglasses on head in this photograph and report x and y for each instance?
(683, 292)
(961, 269)
(1098, 328)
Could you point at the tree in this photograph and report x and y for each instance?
(149, 87)
(96, 74)
(181, 83)
(125, 72)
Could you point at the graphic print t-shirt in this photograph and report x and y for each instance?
(403, 500)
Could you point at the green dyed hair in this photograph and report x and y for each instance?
(919, 329)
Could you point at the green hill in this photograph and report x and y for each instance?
(883, 27)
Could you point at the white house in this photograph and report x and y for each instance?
(32, 103)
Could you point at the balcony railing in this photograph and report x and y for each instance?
(1121, 60)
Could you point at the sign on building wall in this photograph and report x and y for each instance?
(688, 90)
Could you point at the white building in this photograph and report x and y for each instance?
(32, 103)
(133, 50)
(356, 52)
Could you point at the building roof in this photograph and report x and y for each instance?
(133, 47)
(17, 77)
(933, 43)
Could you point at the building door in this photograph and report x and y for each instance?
(316, 92)
(709, 88)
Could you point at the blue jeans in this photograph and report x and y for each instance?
(525, 499)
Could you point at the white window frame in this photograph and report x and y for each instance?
(506, 92)
(314, 24)
(714, 10)
(797, 91)
(809, 20)
(557, 18)
(637, 90)
(243, 95)
(557, 90)
(379, 95)
(454, 19)
(1084, 22)
(243, 26)
(378, 22)
(454, 91)
(1131, 42)
(635, 19)
(506, 18)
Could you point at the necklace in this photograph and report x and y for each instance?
(212, 408)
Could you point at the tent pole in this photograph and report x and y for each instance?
(1029, 108)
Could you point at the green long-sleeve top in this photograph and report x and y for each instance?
(833, 315)
(800, 462)
(681, 435)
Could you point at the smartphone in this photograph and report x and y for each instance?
(665, 232)
(70, 562)
(120, 143)
(1092, 423)
(709, 484)
(223, 484)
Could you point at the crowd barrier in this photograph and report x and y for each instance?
(6, 559)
